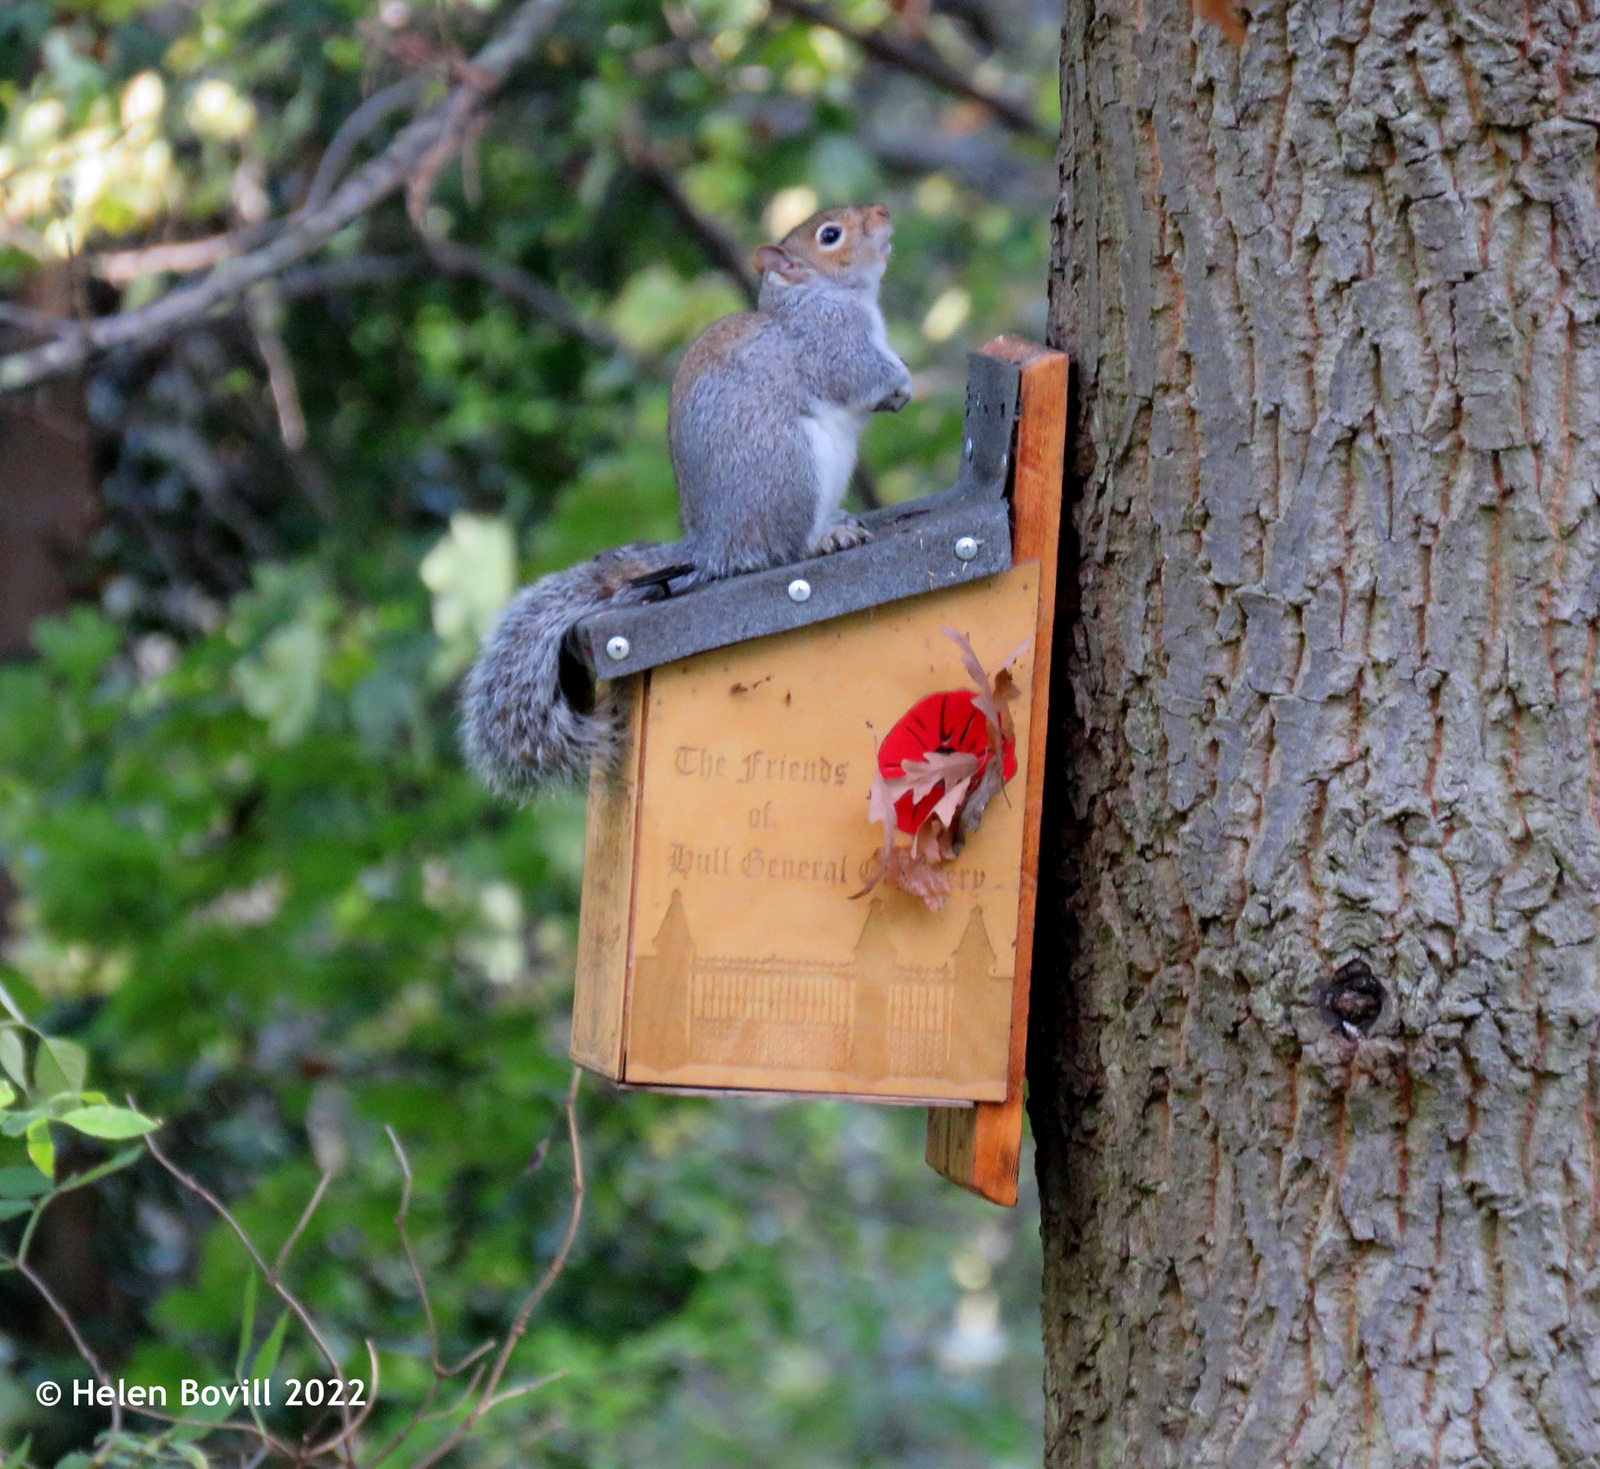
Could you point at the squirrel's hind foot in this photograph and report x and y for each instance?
(844, 533)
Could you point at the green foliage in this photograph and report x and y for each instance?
(258, 894)
(46, 1095)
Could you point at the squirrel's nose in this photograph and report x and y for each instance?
(878, 214)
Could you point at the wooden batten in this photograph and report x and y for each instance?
(980, 1148)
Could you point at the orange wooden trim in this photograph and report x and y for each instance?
(643, 697)
(980, 1148)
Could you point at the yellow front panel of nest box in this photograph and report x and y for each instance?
(754, 964)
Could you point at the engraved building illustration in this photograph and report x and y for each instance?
(869, 1017)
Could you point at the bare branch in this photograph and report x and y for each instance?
(332, 277)
(558, 1262)
(725, 252)
(491, 1397)
(62, 1315)
(367, 186)
(264, 311)
(922, 61)
(865, 483)
(288, 1297)
(361, 123)
(522, 1389)
(301, 1223)
(462, 124)
(38, 323)
(523, 288)
(417, 1280)
(418, 1417)
(352, 1426)
(178, 257)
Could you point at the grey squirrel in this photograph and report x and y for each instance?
(767, 407)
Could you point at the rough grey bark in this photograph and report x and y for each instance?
(1332, 300)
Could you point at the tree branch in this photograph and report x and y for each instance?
(60, 1312)
(725, 252)
(525, 289)
(179, 257)
(272, 1278)
(369, 115)
(35, 323)
(491, 1397)
(920, 60)
(414, 147)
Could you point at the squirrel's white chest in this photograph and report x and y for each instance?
(832, 432)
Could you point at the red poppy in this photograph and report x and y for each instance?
(947, 723)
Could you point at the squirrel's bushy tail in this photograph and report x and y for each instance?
(530, 716)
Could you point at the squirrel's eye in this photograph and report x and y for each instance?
(829, 234)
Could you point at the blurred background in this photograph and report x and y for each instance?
(242, 569)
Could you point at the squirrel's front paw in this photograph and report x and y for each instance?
(840, 536)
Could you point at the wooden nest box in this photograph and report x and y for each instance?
(726, 944)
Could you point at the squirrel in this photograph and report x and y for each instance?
(766, 410)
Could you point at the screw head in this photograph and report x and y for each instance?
(966, 549)
(799, 590)
(618, 648)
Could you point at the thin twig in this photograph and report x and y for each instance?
(522, 1389)
(287, 1296)
(39, 323)
(458, 259)
(725, 252)
(374, 181)
(333, 277)
(865, 483)
(264, 312)
(469, 1392)
(361, 123)
(352, 1426)
(400, 1218)
(418, 1417)
(302, 1222)
(491, 1397)
(519, 286)
(422, 1415)
(60, 1312)
(179, 257)
(922, 61)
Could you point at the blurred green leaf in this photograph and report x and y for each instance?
(41, 1149)
(22, 1183)
(59, 1066)
(266, 1362)
(13, 1059)
(107, 1122)
(280, 684)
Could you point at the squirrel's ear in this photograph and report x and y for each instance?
(775, 260)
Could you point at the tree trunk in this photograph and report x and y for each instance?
(1315, 1083)
(46, 493)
